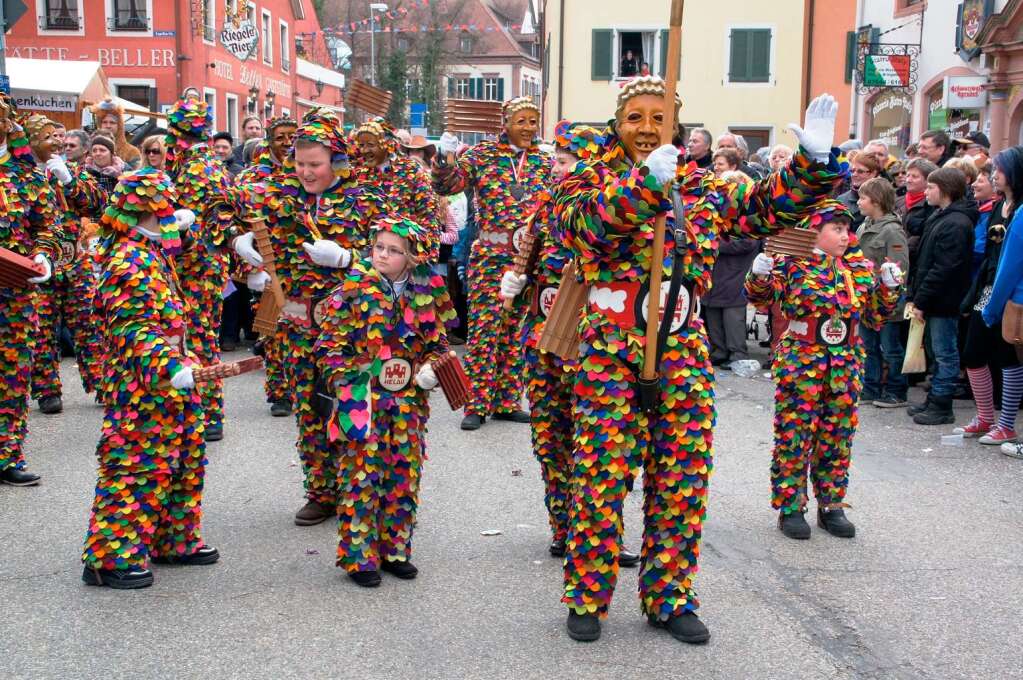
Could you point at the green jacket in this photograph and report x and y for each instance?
(884, 240)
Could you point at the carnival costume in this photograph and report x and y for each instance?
(151, 452)
(607, 211)
(376, 338)
(202, 266)
(506, 181)
(131, 156)
(818, 364)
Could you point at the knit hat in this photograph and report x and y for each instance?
(827, 210)
(138, 194)
(418, 238)
(102, 140)
(190, 117)
(322, 126)
(583, 141)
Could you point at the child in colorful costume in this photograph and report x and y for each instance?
(507, 176)
(204, 188)
(607, 212)
(383, 327)
(29, 220)
(152, 456)
(69, 295)
(318, 217)
(818, 364)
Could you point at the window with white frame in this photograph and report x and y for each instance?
(491, 89)
(60, 15)
(267, 36)
(210, 97)
(209, 21)
(130, 15)
(462, 88)
(231, 101)
(622, 53)
(285, 47)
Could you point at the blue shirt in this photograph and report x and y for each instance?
(1009, 279)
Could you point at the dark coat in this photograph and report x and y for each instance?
(913, 222)
(939, 277)
(729, 276)
(848, 199)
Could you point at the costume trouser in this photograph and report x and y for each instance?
(17, 332)
(65, 299)
(726, 328)
(549, 389)
(378, 487)
(148, 502)
(276, 383)
(493, 359)
(319, 458)
(815, 418)
(614, 438)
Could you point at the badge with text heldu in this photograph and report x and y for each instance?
(240, 40)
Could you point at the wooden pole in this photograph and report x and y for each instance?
(667, 133)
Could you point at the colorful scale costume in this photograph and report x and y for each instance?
(373, 340)
(28, 218)
(202, 267)
(497, 172)
(607, 212)
(151, 451)
(818, 384)
(341, 214)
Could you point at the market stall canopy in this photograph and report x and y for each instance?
(55, 86)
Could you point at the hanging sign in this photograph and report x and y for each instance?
(240, 40)
(886, 70)
(964, 92)
(973, 14)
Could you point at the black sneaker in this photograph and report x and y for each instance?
(685, 627)
(557, 548)
(513, 416)
(868, 397)
(366, 579)
(204, 555)
(214, 433)
(583, 627)
(51, 405)
(890, 401)
(835, 523)
(794, 525)
(280, 408)
(627, 559)
(118, 579)
(401, 568)
(473, 422)
(18, 477)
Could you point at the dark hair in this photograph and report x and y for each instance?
(731, 156)
(1010, 163)
(951, 182)
(939, 137)
(986, 169)
(881, 192)
(224, 135)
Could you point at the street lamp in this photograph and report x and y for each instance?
(379, 7)
(253, 95)
(268, 108)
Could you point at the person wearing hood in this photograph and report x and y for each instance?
(882, 240)
(939, 278)
(152, 457)
(109, 117)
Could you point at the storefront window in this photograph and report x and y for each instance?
(957, 122)
(890, 119)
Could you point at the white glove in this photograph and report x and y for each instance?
(663, 163)
(763, 265)
(42, 260)
(819, 133)
(426, 378)
(58, 168)
(243, 245)
(448, 143)
(512, 284)
(328, 254)
(891, 275)
(256, 281)
(183, 379)
(185, 218)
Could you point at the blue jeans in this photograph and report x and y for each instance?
(943, 335)
(886, 344)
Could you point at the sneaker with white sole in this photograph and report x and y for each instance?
(1013, 450)
(999, 435)
(975, 428)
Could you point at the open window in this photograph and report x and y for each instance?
(621, 54)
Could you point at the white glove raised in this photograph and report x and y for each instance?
(185, 218)
(328, 254)
(816, 138)
(43, 261)
(763, 265)
(256, 281)
(243, 245)
(663, 163)
(183, 379)
(448, 143)
(58, 168)
(426, 378)
(512, 284)
(891, 275)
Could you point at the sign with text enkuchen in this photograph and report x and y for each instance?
(964, 92)
(240, 40)
(886, 70)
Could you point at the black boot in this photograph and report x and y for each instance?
(938, 412)
(204, 555)
(835, 523)
(557, 548)
(685, 627)
(280, 408)
(919, 408)
(51, 405)
(513, 416)
(118, 579)
(627, 559)
(18, 477)
(583, 627)
(214, 433)
(472, 422)
(366, 579)
(401, 568)
(794, 525)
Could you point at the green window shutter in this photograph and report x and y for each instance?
(500, 90)
(850, 55)
(760, 56)
(738, 63)
(451, 88)
(664, 53)
(602, 65)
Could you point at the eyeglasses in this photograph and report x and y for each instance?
(152, 151)
(861, 171)
(391, 251)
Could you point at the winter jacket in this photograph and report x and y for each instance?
(883, 240)
(734, 259)
(849, 200)
(1009, 279)
(939, 277)
(980, 235)
(913, 221)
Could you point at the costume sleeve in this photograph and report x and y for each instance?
(879, 305)
(427, 208)
(454, 179)
(1010, 272)
(43, 217)
(343, 346)
(763, 291)
(779, 200)
(85, 196)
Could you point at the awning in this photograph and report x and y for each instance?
(46, 85)
(314, 72)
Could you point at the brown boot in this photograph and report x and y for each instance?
(312, 513)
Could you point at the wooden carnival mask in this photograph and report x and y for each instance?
(522, 126)
(640, 115)
(372, 151)
(281, 139)
(40, 137)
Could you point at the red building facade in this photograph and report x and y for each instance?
(152, 50)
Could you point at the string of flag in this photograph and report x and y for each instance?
(365, 26)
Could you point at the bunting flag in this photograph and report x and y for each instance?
(364, 25)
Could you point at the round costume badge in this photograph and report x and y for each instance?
(395, 375)
(681, 315)
(320, 311)
(835, 331)
(517, 237)
(547, 296)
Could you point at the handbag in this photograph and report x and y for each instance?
(1012, 323)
